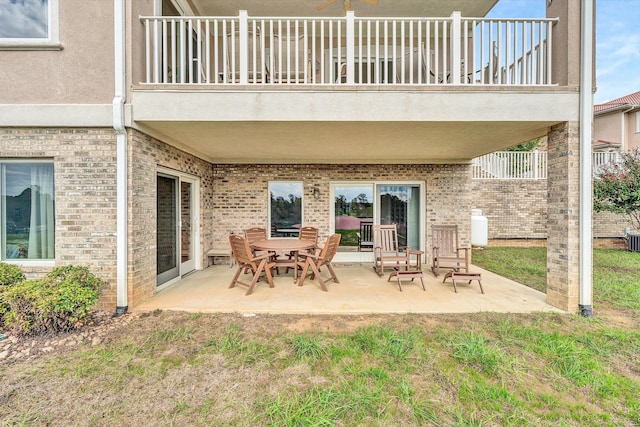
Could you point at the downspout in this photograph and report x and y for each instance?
(586, 184)
(121, 156)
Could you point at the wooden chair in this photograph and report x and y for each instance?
(446, 251)
(248, 262)
(324, 258)
(306, 233)
(387, 253)
(254, 234)
(365, 236)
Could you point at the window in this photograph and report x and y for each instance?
(638, 122)
(29, 24)
(27, 211)
(359, 205)
(285, 208)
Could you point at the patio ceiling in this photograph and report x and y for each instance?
(345, 142)
(384, 8)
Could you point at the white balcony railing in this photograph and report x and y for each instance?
(511, 165)
(529, 164)
(347, 50)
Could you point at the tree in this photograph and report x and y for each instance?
(525, 146)
(617, 188)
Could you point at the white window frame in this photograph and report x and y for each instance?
(51, 42)
(368, 256)
(22, 261)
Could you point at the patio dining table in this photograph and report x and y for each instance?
(285, 245)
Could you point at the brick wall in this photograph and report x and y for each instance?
(146, 154)
(563, 207)
(232, 197)
(241, 193)
(517, 209)
(85, 195)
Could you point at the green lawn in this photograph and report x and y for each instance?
(486, 369)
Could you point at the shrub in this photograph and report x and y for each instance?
(617, 188)
(59, 302)
(9, 275)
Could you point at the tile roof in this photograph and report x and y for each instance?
(632, 99)
(601, 143)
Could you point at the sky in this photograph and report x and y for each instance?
(23, 18)
(617, 42)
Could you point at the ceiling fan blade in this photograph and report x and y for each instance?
(371, 2)
(325, 4)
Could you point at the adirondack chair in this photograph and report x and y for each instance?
(365, 236)
(247, 261)
(324, 258)
(386, 251)
(446, 250)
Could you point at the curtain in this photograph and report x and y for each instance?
(42, 224)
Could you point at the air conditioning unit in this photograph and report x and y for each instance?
(633, 240)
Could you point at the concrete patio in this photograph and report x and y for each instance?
(360, 291)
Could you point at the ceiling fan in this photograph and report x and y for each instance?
(347, 4)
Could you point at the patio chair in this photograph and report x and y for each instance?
(324, 258)
(253, 235)
(365, 236)
(245, 259)
(258, 70)
(291, 62)
(306, 233)
(446, 251)
(387, 253)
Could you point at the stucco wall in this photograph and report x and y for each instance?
(608, 127)
(632, 135)
(81, 73)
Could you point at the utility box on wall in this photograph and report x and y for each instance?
(633, 241)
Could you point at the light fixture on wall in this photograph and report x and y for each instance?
(316, 193)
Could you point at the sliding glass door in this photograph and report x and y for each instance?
(167, 231)
(359, 205)
(177, 230)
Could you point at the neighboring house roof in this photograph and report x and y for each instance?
(600, 144)
(632, 100)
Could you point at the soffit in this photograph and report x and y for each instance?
(384, 8)
(343, 142)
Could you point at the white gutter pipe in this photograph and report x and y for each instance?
(121, 156)
(586, 184)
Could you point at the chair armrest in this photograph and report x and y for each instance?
(265, 255)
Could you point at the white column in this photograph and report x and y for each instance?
(586, 185)
(351, 69)
(244, 47)
(122, 210)
(455, 48)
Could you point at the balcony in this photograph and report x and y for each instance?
(244, 89)
(347, 51)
